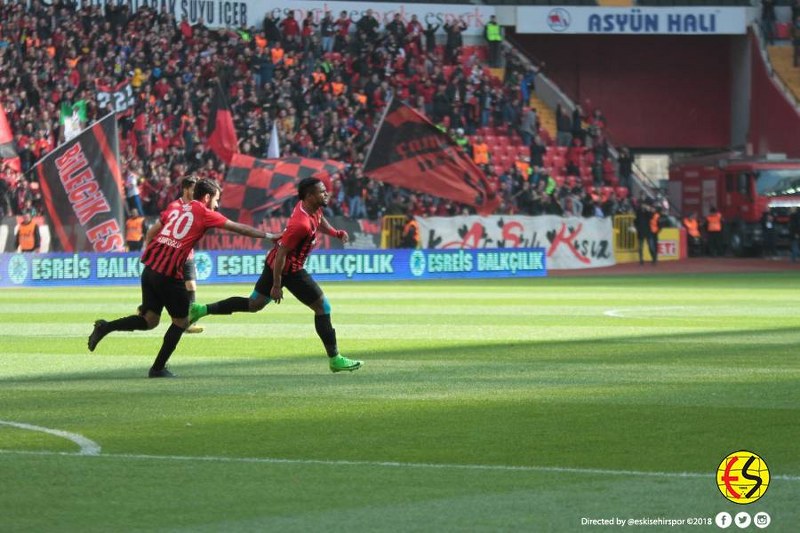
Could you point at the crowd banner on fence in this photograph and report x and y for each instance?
(244, 266)
(81, 185)
(686, 20)
(570, 243)
(235, 14)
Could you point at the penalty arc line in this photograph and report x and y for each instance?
(87, 446)
(90, 448)
(389, 464)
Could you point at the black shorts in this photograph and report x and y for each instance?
(299, 283)
(160, 291)
(189, 270)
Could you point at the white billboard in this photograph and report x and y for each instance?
(633, 21)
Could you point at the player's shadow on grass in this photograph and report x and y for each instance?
(651, 349)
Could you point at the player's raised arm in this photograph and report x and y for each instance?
(325, 227)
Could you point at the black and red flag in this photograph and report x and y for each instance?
(409, 151)
(255, 185)
(82, 188)
(222, 138)
(8, 154)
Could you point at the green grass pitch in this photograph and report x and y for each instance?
(514, 405)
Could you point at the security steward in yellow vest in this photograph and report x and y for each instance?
(714, 230)
(28, 239)
(480, 151)
(410, 237)
(694, 238)
(493, 37)
(134, 231)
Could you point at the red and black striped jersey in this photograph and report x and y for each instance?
(183, 225)
(299, 238)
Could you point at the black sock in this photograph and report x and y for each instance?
(234, 304)
(128, 323)
(171, 338)
(326, 333)
(191, 296)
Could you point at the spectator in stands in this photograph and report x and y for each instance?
(455, 40)
(641, 224)
(327, 32)
(430, 37)
(770, 234)
(529, 125)
(563, 127)
(625, 163)
(768, 20)
(796, 42)
(794, 233)
(368, 25)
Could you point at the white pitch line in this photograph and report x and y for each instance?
(87, 446)
(623, 313)
(391, 464)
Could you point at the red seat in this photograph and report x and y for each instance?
(606, 192)
(560, 180)
(585, 171)
(562, 151)
(782, 30)
(622, 192)
(571, 181)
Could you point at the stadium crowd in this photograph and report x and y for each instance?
(323, 83)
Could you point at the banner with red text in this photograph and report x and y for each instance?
(570, 243)
(81, 184)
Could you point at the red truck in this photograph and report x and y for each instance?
(743, 189)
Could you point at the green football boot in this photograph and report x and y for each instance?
(341, 363)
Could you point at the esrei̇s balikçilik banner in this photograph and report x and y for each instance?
(81, 183)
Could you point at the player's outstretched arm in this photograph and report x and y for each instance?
(250, 231)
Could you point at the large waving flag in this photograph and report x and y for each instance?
(257, 185)
(409, 151)
(82, 188)
(221, 133)
(8, 154)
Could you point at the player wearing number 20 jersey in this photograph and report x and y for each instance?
(183, 225)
